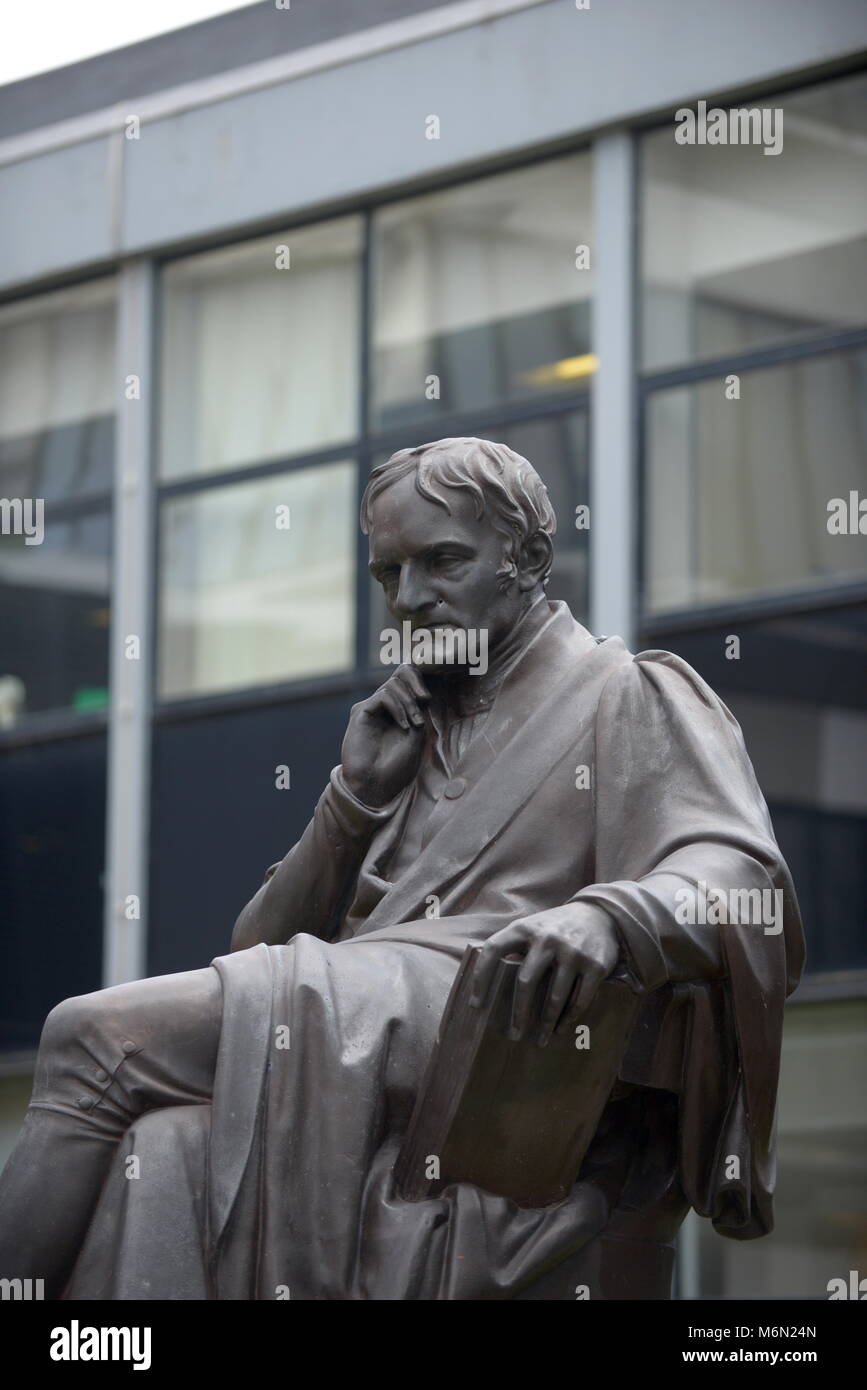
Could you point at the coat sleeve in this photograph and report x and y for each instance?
(307, 889)
(680, 818)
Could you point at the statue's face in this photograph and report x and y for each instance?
(439, 570)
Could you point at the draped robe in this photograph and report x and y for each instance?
(281, 1187)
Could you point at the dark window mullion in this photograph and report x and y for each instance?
(474, 422)
(774, 355)
(249, 473)
(71, 508)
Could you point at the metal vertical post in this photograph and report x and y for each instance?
(613, 491)
(131, 662)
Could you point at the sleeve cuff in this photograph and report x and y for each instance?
(640, 956)
(358, 817)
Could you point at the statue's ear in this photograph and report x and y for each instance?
(536, 559)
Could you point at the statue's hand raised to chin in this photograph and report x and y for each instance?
(383, 743)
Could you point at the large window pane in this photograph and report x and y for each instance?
(260, 350)
(246, 600)
(738, 490)
(58, 386)
(741, 248)
(478, 287)
(54, 618)
(820, 1206)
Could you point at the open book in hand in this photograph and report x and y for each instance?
(511, 1117)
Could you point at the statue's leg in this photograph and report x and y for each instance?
(104, 1059)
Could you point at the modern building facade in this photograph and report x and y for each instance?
(242, 263)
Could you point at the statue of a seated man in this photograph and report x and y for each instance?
(231, 1132)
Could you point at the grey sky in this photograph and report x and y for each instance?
(52, 33)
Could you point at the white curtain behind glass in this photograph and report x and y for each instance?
(739, 489)
(244, 603)
(260, 363)
(57, 360)
(492, 249)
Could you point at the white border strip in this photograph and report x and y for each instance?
(254, 77)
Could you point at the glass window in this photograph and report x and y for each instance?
(58, 387)
(742, 248)
(258, 581)
(260, 354)
(57, 394)
(820, 1206)
(477, 296)
(739, 489)
(54, 618)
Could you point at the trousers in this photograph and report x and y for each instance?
(104, 1060)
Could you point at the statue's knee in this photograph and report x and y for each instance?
(67, 1023)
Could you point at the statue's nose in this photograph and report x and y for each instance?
(414, 593)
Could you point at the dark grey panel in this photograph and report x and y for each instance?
(52, 852)
(218, 819)
(200, 50)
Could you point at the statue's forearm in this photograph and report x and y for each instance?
(669, 920)
(308, 887)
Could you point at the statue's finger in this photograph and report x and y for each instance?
(559, 992)
(590, 982)
(412, 677)
(408, 701)
(488, 961)
(581, 996)
(527, 982)
(395, 707)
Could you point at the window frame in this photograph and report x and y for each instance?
(364, 447)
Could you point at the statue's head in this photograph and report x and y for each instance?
(460, 535)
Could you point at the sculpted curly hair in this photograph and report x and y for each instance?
(501, 483)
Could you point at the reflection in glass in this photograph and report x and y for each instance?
(820, 1206)
(58, 384)
(260, 350)
(477, 298)
(740, 248)
(738, 490)
(54, 618)
(247, 599)
(58, 389)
